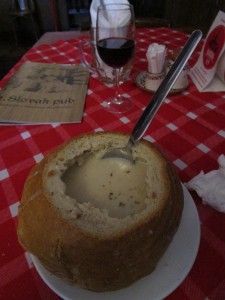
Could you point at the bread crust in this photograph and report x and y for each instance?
(98, 263)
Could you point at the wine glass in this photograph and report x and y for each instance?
(115, 37)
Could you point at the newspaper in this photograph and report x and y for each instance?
(44, 93)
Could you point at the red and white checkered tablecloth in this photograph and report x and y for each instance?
(189, 128)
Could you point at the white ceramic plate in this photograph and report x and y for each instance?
(140, 82)
(170, 272)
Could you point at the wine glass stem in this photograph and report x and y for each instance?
(118, 99)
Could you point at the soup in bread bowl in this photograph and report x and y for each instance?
(100, 223)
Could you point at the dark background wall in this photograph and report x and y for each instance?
(179, 13)
(193, 13)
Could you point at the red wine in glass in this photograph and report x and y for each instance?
(116, 52)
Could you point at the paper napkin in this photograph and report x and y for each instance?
(211, 186)
(119, 19)
(156, 55)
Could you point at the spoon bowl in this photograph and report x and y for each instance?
(123, 153)
(156, 101)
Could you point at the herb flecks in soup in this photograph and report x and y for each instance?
(110, 184)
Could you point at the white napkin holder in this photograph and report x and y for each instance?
(159, 64)
(182, 81)
(153, 81)
(156, 57)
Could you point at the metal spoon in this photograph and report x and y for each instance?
(157, 99)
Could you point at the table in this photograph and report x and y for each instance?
(189, 128)
(55, 36)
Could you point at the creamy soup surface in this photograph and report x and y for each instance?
(110, 184)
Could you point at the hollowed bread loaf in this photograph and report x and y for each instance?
(100, 224)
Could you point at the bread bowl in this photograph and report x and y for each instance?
(108, 240)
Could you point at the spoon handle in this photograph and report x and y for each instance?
(164, 88)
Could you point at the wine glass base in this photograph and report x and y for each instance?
(118, 106)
